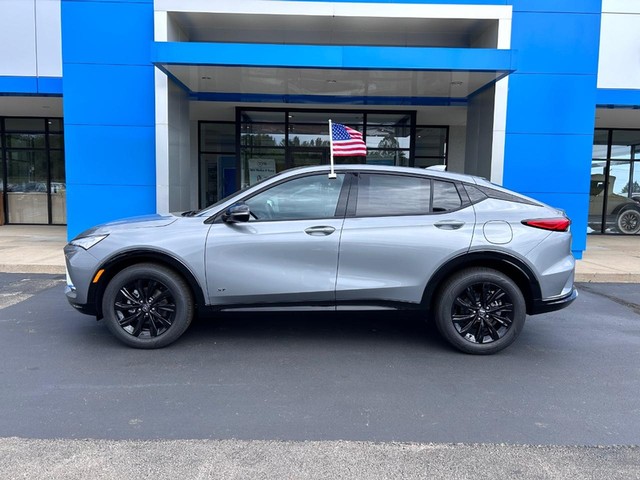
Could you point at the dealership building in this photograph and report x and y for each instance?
(119, 108)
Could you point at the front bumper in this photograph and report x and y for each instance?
(551, 305)
(81, 266)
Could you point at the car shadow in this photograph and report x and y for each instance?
(409, 328)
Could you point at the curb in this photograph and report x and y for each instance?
(51, 269)
(607, 278)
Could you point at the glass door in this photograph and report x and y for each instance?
(306, 156)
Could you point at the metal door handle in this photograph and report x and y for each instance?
(316, 231)
(449, 224)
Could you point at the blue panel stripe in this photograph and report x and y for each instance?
(617, 98)
(326, 99)
(333, 56)
(45, 86)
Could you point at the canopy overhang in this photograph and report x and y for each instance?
(331, 74)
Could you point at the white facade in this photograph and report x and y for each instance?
(30, 38)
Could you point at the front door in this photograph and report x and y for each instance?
(287, 253)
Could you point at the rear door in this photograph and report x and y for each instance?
(399, 229)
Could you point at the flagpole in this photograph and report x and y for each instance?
(332, 174)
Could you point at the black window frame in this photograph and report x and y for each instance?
(352, 202)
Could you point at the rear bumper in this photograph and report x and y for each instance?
(558, 303)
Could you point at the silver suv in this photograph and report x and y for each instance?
(475, 257)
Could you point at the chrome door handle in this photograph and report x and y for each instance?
(449, 224)
(317, 231)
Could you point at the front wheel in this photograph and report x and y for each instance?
(147, 306)
(628, 222)
(480, 311)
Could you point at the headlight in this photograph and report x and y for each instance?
(87, 242)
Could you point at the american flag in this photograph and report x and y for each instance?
(347, 142)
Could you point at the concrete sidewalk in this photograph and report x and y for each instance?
(38, 249)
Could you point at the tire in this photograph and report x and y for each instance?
(480, 311)
(628, 221)
(147, 306)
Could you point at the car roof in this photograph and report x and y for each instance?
(382, 169)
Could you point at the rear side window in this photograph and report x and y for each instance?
(392, 195)
(445, 197)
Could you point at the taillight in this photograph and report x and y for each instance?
(560, 224)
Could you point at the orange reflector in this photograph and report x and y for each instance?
(98, 275)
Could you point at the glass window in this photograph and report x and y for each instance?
(262, 135)
(55, 124)
(445, 197)
(392, 195)
(353, 119)
(24, 124)
(261, 163)
(58, 189)
(315, 196)
(431, 141)
(600, 143)
(301, 135)
(388, 157)
(56, 141)
(27, 197)
(26, 140)
(622, 210)
(218, 137)
(596, 195)
(625, 144)
(388, 137)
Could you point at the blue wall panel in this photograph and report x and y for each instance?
(108, 110)
(551, 105)
(120, 94)
(558, 6)
(609, 97)
(44, 86)
(124, 157)
(117, 33)
(557, 104)
(551, 43)
(88, 201)
(548, 163)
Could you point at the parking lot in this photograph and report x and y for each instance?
(572, 378)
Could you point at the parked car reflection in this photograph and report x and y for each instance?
(622, 214)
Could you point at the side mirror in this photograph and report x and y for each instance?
(237, 213)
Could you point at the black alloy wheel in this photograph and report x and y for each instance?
(147, 306)
(480, 311)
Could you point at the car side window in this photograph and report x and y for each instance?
(380, 195)
(445, 197)
(314, 196)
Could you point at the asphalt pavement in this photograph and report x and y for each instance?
(317, 395)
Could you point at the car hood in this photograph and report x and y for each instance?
(144, 221)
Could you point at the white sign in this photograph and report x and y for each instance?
(261, 168)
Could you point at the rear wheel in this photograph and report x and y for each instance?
(147, 306)
(480, 311)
